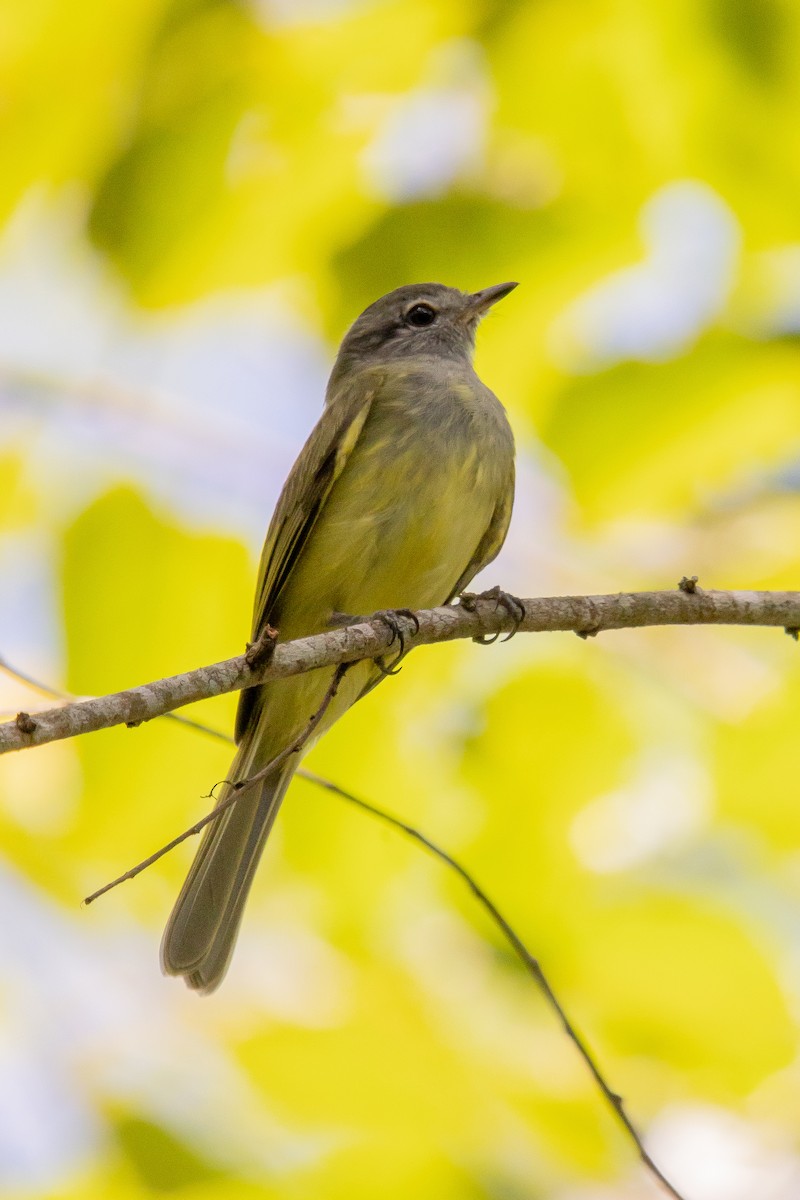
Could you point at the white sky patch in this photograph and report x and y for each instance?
(205, 405)
(435, 134)
(45, 1132)
(29, 603)
(274, 13)
(718, 1156)
(57, 311)
(658, 307)
(709, 1154)
(666, 803)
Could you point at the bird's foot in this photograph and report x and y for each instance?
(512, 605)
(390, 617)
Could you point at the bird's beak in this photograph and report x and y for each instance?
(479, 303)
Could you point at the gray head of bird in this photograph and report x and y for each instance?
(418, 320)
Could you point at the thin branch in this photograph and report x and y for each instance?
(47, 689)
(35, 684)
(237, 789)
(531, 964)
(584, 615)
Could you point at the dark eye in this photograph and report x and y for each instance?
(420, 315)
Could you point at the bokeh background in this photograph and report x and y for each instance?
(197, 197)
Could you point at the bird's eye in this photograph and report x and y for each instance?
(420, 315)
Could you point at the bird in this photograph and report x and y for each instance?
(401, 494)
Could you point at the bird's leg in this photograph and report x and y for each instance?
(512, 605)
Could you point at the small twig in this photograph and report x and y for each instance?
(237, 789)
(199, 727)
(260, 652)
(25, 723)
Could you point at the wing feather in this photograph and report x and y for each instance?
(319, 465)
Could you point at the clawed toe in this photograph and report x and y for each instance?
(390, 617)
(512, 605)
(393, 670)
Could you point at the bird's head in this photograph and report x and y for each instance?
(418, 320)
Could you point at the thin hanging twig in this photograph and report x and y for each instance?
(237, 789)
(530, 963)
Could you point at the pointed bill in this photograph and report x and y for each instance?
(481, 302)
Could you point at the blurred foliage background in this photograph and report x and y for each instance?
(197, 197)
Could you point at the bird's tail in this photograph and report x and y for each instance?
(202, 929)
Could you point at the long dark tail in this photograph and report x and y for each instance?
(201, 932)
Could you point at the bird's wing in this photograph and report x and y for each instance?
(319, 465)
(491, 543)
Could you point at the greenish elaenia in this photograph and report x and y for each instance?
(401, 494)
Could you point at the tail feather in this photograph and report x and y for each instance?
(201, 932)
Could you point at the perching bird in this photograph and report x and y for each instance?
(401, 494)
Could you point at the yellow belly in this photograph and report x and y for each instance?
(398, 529)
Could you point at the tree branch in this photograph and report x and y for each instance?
(584, 615)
